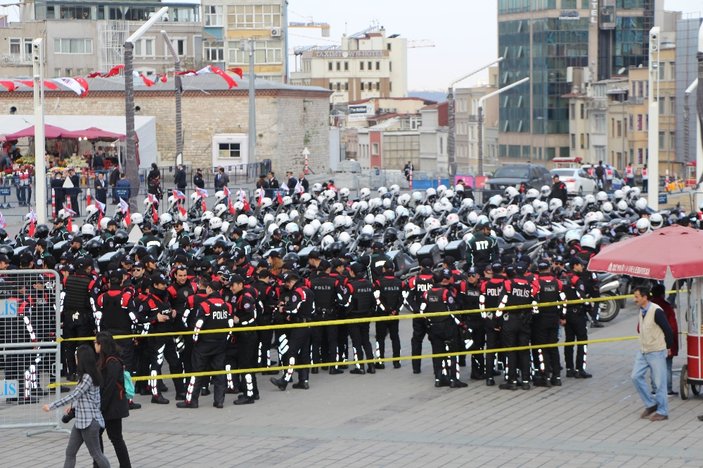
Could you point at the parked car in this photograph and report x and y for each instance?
(617, 183)
(531, 175)
(577, 181)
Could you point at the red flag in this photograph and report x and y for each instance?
(94, 75)
(154, 214)
(247, 206)
(182, 210)
(163, 78)
(69, 224)
(203, 205)
(100, 217)
(32, 226)
(146, 80)
(113, 71)
(9, 85)
(279, 198)
(81, 81)
(47, 84)
(260, 198)
(223, 74)
(88, 198)
(128, 219)
(237, 71)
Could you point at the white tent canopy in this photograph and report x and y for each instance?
(144, 125)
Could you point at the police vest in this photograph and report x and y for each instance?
(519, 292)
(417, 286)
(363, 301)
(390, 288)
(77, 295)
(549, 291)
(438, 300)
(114, 305)
(324, 288)
(492, 291)
(216, 314)
(470, 296)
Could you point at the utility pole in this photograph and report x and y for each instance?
(249, 46)
(39, 141)
(131, 168)
(179, 92)
(653, 128)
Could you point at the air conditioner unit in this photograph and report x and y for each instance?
(275, 32)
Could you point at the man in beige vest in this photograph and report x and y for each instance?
(656, 340)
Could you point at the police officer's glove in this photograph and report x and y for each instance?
(500, 313)
(484, 315)
(75, 316)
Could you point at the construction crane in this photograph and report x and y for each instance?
(419, 43)
(311, 24)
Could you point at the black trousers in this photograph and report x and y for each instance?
(443, 337)
(546, 360)
(478, 334)
(208, 356)
(265, 344)
(516, 332)
(295, 345)
(74, 330)
(492, 342)
(575, 330)
(359, 333)
(247, 358)
(419, 333)
(387, 328)
(113, 427)
(161, 347)
(324, 342)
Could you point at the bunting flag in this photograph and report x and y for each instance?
(182, 211)
(237, 71)
(8, 85)
(3, 223)
(279, 198)
(88, 198)
(77, 85)
(202, 192)
(219, 72)
(299, 188)
(48, 84)
(113, 71)
(154, 214)
(152, 199)
(124, 207)
(101, 210)
(69, 224)
(178, 195)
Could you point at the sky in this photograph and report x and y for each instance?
(464, 32)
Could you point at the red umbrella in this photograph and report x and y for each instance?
(50, 131)
(93, 133)
(676, 250)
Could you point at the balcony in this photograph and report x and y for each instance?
(15, 59)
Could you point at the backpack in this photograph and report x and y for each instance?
(127, 387)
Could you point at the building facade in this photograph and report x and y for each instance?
(466, 128)
(542, 39)
(686, 72)
(365, 65)
(215, 119)
(434, 131)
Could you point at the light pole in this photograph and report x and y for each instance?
(480, 118)
(653, 128)
(699, 106)
(130, 166)
(179, 92)
(249, 46)
(39, 142)
(452, 120)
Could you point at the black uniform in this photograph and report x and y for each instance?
(482, 250)
(443, 334)
(515, 325)
(246, 309)
(413, 289)
(545, 329)
(77, 314)
(468, 299)
(326, 290)
(295, 343)
(491, 294)
(268, 296)
(575, 328)
(209, 349)
(116, 315)
(389, 299)
(361, 304)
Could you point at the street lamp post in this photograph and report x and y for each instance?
(130, 164)
(179, 91)
(451, 146)
(480, 118)
(699, 106)
(249, 46)
(653, 128)
(39, 142)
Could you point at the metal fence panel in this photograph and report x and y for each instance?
(29, 353)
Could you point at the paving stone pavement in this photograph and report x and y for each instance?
(395, 418)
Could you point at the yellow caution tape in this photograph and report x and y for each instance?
(370, 361)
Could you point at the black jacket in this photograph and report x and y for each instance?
(113, 402)
(180, 179)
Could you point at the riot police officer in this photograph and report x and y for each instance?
(246, 308)
(413, 288)
(360, 304)
(326, 290)
(575, 328)
(468, 299)
(482, 248)
(491, 294)
(389, 299)
(545, 327)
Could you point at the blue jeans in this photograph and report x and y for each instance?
(655, 362)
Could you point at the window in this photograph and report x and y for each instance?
(346, 66)
(378, 86)
(582, 111)
(672, 140)
(15, 46)
(639, 155)
(619, 128)
(331, 87)
(361, 66)
(75, 12)
(339, 86)
(214, 51)
(673, 105)
(572, 111)
(661, 140)
(179, 45)
(573, 141)
(253, 16)
(661, 66)
(329, 66)
(361, 84)
(388, 46)
(144, 47)
(68, 72)
(346, 86)
(582, 141)
(369, 65)
(378, 65)
(390, 86)
(230, 150)
(390, 66)
(339, 66)
(73, 46)
(213, 15)
(374, 148)
(639, 122)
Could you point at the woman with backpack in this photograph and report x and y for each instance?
(114, 401)
(85, 403)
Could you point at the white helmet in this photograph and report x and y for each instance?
(252, 222)
(305, 198)
(531, 194)
(269, 218)
(330, 194)
(508, 231)
(368, 219)
(442, 242)
(404, 199)
(219, 209)
(198, 231)
(452, 219)
(215, 223)
(601, 196)
(337, 208)
(545, 190)
(375, 203)
(589, 200)
(103, 222)
(182, 215)
(641, 204)
(326, 228)
(449, 194)
(293, 215)
(587, 240)
(287, 200)
(344, 237)
(91, 210)
(626, 189)
(622, 206)
(597, 234)
(326, 242)
(643, 225)
(656, 220)
(282, 219)
(195, 196)
(572, 235)
(380, 220)
(441, 189)
(386, 203)
(499, 213)
(137, 218)
(417, 196)
(224, 228)
(292, 228)
(591, 217)
(414, 248)
(344, 192)
(206, 216)
(495, 200)
(219, 196)
(271, 228)
(382, 190)
(75, 230)
(555, 204)
(412, 230)
(88, 230)
(390, 215)
(63, 214)
(166, 219)
(242, 220)
(147, 202)
(401, 211)
(437, 207)
(367, 229)
(432, 224)
(395, 188)
(634, 193)
(512, 209)
(527, 210)
(316, 223)
(467, 203)
(363, 206)
(511, 192)
(618, 195)
(529, 228)
(472, 217)
(309, 230)
(364, 193)
(577, 202)
(266, 202)
(607, 207)
(430, 192)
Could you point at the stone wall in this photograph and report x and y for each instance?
(286, 121)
